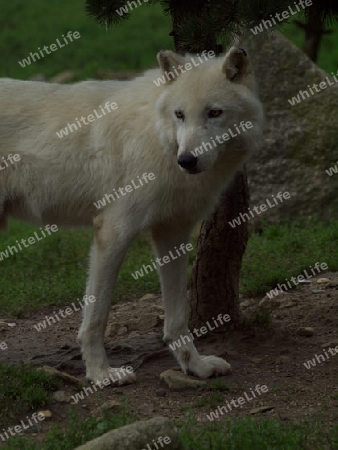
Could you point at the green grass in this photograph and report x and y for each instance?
(22, 390)
(247, 433)
(239, 434)
(284, 251)
(328, 54)
(130, 46)
(53, 271)
(77, 433)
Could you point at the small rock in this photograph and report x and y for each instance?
(178, 381)
(279, 302)
(46, 414)
(269, 303)
(247, 303)
(323, 280)
(161, 392)
(62, 397)
(148, 297)
(287, 304)
(261, 409)
(138, 435)
(111, 405)
(305, 331)
(317, 291)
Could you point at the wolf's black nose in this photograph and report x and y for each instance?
(188, 162)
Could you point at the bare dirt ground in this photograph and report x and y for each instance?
(273, 356)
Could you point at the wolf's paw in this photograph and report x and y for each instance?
(112, 376)
(208, 366)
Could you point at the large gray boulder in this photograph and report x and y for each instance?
(301, 141)
(138, 436)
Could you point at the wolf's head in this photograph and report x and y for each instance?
(208, 112)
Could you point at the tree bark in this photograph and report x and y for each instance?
(314, 30)
(214, 283)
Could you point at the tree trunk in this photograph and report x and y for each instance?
(314, 30)
(214, 283)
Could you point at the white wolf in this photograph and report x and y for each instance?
(154, 129)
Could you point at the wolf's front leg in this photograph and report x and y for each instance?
(107, 254)
(168, 242)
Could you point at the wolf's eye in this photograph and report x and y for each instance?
(214, 113)
(180, 115)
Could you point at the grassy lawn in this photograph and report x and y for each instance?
(22, 389)
(131, 45)
(53, 271)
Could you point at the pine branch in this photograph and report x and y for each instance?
(199, 22)
(105, 12)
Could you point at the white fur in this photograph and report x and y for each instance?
(58, 180)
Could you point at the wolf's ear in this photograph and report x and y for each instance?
(236, 64)
(168, 62)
